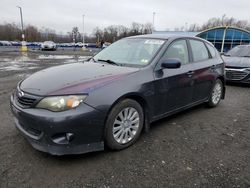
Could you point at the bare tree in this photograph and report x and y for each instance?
(225, 21)
(10, 31)
(32, 33)
(147, 28)
(75, 34)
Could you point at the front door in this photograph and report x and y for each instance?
(173, 87)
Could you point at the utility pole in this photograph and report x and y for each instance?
(21, 14)
(153, 21)
(24, 47)
(83, 28)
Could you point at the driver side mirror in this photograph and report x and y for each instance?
(170, 63)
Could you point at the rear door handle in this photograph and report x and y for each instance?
(212, 67)
(190, 73)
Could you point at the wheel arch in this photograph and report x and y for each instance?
(142, 101)
(222, 79)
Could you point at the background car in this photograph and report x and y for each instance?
(16, 43)
(5, 43)
(106, 44)
(79, 44)
(48, 45)
(237, 62)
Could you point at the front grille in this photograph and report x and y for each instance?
(232, 74)
(25, 100)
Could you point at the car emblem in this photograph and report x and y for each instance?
(20, 94)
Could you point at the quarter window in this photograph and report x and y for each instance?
(178, 50)
(211, 50)
(199, 50)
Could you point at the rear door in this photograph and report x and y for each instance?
(204, 66)
(173, 87)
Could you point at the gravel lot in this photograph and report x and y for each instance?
(200, 147)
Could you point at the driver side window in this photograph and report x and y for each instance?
(178, 50)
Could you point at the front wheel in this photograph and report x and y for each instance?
(124, 124)
(216, 94)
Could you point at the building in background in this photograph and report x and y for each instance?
(223, 38)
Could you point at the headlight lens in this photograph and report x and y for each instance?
(61, 103)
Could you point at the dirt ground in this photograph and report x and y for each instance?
(200, 147)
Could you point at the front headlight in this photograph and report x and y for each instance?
(61, 103)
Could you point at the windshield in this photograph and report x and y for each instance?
(48, 42)
(131, 52)
(239, 51)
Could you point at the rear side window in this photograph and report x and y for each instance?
(212, 50)
(178, 50)
(199, 50)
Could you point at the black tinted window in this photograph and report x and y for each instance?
(178, 50)
(199, 50)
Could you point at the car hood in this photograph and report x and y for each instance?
(73, 78)
(240, 62)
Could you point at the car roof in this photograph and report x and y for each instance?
(165, 36)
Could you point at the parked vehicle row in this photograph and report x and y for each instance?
(19, 43)
(111, 98)
(48, 44)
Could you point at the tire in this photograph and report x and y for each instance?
(121, 130)
(216, 94)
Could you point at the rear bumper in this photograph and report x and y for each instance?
(75, 131)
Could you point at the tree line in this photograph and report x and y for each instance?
(11, 31)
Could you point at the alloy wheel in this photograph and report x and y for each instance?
(126, 125)
(217, 92)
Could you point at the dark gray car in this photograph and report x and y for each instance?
(79, 107)
(237, 62)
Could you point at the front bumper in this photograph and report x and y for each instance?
(48, 47)
(239, 75)
(46, 131)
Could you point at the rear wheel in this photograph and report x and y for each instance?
(124, 124)
(216, 94)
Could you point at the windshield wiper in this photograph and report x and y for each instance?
(109, 61)
(246, 56)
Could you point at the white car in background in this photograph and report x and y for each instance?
(79, 44)
(5, 43)
(48, 45)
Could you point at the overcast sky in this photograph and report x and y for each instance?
(62, 15)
